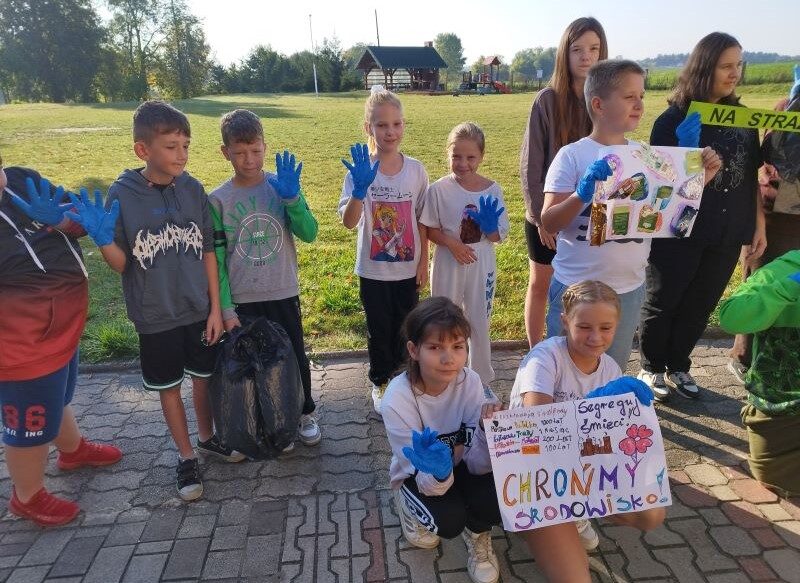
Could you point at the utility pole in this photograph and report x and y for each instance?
(314, 52)
(377, 32)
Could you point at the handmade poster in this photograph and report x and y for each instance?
(653, 191)
(576, 460)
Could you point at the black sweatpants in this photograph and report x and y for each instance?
(471, 501)
(685, 280)
(386, 304)
(287, 313)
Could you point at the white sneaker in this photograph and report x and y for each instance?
(377, 395)
(482, 563)
(589, 538)
(684, 384)
(309, 433)
(655, 380)
(416, 534)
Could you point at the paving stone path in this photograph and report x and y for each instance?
(324, 514)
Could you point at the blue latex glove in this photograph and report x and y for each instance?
(795, 277)
(621, 386)
(287, 182)
(42, 207)
(488, 215)
(93, 217)
(688, 131)
(599, 170)
(795, 90)
(362, 170)
(429, 455)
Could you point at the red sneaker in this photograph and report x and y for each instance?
(44, 509)
(89, 454)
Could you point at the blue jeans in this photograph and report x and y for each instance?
(631, 304)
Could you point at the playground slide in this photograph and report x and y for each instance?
(501, 87)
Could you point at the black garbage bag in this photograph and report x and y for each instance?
(256, 390)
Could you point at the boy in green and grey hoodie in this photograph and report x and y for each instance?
(767, 304)
(255, 214)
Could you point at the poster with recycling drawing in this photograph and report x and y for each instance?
(653, 191)
(575, 460)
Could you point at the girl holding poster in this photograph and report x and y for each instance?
(686, 277)
(558, 117)
(382, 196)
(440, 470)
(565, 368)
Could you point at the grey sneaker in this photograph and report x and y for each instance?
(309, 432)
(655, 380)
(683, 383)
(738, 370)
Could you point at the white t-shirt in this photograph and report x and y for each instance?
(455, 413)
(446, 206)
(619, 263)
(388, 245)
(548, 369)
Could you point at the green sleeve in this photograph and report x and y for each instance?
(220, 250)
(761, 299)
(301, 221)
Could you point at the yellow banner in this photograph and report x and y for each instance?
(745, 117)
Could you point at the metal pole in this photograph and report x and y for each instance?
(314, 52)
(377, 32)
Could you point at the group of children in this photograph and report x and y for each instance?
(194, 266)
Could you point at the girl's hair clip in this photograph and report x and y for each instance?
(376, 89)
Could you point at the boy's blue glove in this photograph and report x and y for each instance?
(429, 454)
(688, 131)
(795, 90)
(488, 215)
(621, 386)
(362, 171)
(42, 207)
(599, 170)
(287, 182)
(795, 277)
(93, 217)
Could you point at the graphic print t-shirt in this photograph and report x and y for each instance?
(388, 243)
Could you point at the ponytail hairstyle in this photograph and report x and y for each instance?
(589, 292)
(697, 77)
(378, 96)
(467, 131)
(436, 315)
(571, 113)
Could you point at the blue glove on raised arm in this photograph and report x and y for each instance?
(795, 90)
(795, 277)
(429, 455)
(599, 170)
(42, 207)
(287, 181)
(487, 216)
(688, 131)
(362, 171)
(621, 386)
(93, 217)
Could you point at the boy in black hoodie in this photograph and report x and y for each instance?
(163, 246)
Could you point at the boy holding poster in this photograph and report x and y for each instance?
(614, 92)
(566, 368)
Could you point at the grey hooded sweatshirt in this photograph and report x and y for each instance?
(164, 235)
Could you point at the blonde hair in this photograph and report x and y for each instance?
(378, 96)
(467, 131)
(589, 292)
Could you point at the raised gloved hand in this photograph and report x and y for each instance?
(93, 217)
(599, 170)
(795, 277)
(42, 207)
(287, 181)
(621, 386)
(795, 90)
(362, 171)
(488, 215)
(688, 131)
(429, 455)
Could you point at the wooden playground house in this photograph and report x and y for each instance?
(487, 81)
(398, 68)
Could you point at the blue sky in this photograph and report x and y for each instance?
(635, 29)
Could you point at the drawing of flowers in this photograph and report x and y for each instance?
(636, 443)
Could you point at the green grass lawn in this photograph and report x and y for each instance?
(90, 145)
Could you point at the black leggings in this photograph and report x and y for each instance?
(471, 501)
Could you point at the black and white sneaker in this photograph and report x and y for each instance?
(655, 380)
(738, 370)
(188, 482)
(213, 447)
(684, 384)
